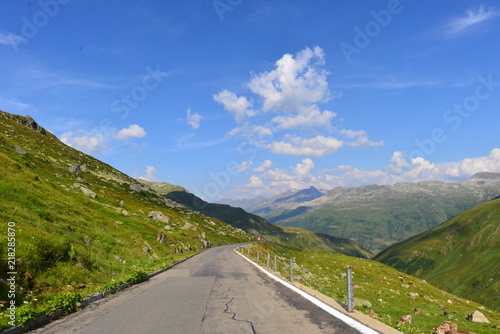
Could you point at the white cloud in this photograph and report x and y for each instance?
(245, 165)
(194, 119)
(303, 170)
(264, 166)
(295, 81)
(88, 144)
(465, 24)
(399, 169)
(314, 147)
(468, 167)
(289, 110)
(150, 174)
(239, 106)
(309, 116)
(133, 131)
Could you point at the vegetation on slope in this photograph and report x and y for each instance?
(251, 223)
(386, 293)
(69, 245)
(377, 216)
(461, 256)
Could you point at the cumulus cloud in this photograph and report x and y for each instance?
(313, 147)
(289, 109)
(239, 106)
(133, 131)
(194, 119)
(150, 174)
(245, 165)
(309, 116)
(264, 166)
(296, 81)
(88, 144)
(467, 167)
(399, 169)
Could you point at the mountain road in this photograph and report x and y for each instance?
(215, 291)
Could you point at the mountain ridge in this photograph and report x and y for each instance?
(377, 216)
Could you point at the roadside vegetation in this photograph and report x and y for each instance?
(384, 293)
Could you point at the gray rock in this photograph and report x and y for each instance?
(477, 316)
(158, 215)
(88, 192)
(81, 180)
(168, 227)
(20, 150)
(86, 240)
(85, 168)
(146, 249)
(75, 169)
(121, 204)
(135, 188)
(362, 303)
(161, 238)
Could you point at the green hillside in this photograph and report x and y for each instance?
(83, 231)
(254, 224)
(461, 256)
(376, 216)
(384, 292)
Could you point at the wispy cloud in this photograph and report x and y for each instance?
(11, 39)
(468, 23)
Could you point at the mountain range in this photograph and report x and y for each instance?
(377, 216)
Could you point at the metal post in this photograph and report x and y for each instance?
(291, 269)
(268, 259)
(275, 264)
(258, 253)
(350, 290)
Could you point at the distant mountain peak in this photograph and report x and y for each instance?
(485, 176)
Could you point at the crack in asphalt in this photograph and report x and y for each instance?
(234, 314)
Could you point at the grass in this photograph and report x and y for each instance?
(392, 294)
(69, 246)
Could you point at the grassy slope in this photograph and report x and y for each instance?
(70, 245)
(461, 255)
(378, 216)
(251, 223)
(379, 284)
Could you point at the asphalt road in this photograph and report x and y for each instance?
(214, 292)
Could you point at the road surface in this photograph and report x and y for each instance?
(216, 291)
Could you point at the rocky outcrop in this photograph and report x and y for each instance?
(20, 150)
(88, 192)
(135, 188)
(158, 215)
(448, 327)
(75, 169)
(477, 316)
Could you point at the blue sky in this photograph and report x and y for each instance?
(239, 98)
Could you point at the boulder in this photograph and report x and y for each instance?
(85, 168)
(445, 326)
(405, 319)
(75, 169)
(146, 249)
(86, 240)
(88, 192)
(158, 215)
(20, 150)
(161, 238)
(477, 316)
(135, 188)
(362, 303)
